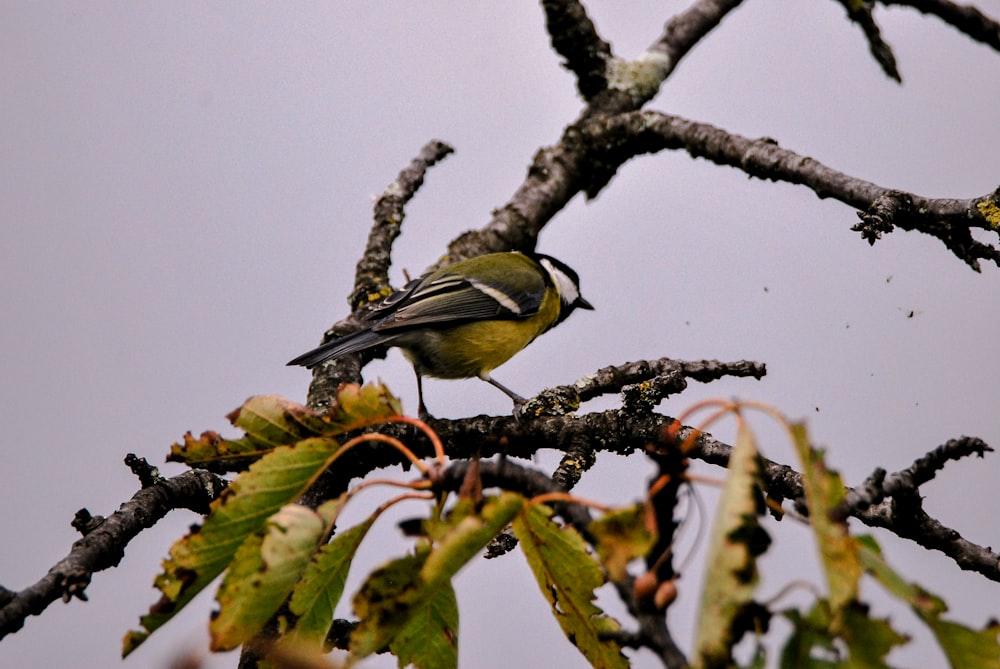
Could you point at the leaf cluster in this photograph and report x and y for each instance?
(287, 563)
(838, 630)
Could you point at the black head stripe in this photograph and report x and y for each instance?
(565, 280)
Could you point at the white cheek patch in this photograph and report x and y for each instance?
(568, 292)
(502, 298)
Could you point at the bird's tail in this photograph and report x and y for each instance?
(352, 343)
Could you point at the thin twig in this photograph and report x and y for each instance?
(371, 282)
(861, 14)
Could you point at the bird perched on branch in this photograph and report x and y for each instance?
(468, 318)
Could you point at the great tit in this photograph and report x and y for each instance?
(466, 319)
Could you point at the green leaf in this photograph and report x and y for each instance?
(316, 596)
(737, 540)
(429, 640)
(196, 559)
(868, 639)
(270, 421)
(384, 601)
(824, 494)
(402, 588)
(623, 535)
(262, 574)
(568, 575)
(361, 406)
(851, 639)
(469, 534)
(968, 648)
(811, 645)
(964, 647)
(288, 460)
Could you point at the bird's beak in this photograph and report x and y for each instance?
(581, 303)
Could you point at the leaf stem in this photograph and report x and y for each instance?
(569, 499)
(392, 441)
(426, 429)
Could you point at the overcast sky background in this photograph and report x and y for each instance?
(185, 188)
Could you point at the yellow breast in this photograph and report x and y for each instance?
(476, 348)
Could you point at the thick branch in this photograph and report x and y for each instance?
(104, 543)
(608, 132)
(486, 436)
(615, 139)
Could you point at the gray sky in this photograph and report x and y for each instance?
(185, 189)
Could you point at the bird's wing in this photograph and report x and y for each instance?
(452, 299)
(351, 343)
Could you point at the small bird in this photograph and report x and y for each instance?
(468, 318)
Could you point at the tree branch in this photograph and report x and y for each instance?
(615, 139)
(371, 282)
(685, 29)
(966, 18)
(575, 38)
(860, 12)
(888, 502)
(896, 505)
(643, 384)
(521, 437)
(104, 542)
(615, 378)
(371, 278)
(608, 132)
(557, 173)
(624, 432)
